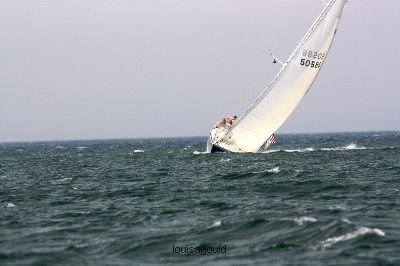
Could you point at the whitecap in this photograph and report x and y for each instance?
(81, 147)
(10, 205)
(292, 150)
(330, 149)
(136, 151)
(83, 212)
(304, 219)
(273, 170)
(359, 232)
(216, 224)
(351, 146)
(337, 207)
(225, 160)
(62, 180)
(345, 220)
(199, 152)
(270, 151)
(301, 150)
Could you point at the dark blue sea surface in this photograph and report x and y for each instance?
(312, 199)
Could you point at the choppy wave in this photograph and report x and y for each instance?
(61, 180)
(305, 219)
(301, 150)
(81, 147)
(216, 224)
(10, 205)
(271, 151)
(351, 146)
(359, 232)
(290, 150)
(337, 207)
(345, 220)
(272, 170)
(120, 202)
(136, 151)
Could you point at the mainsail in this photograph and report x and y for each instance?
(284, 93)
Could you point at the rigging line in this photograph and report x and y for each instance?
(276, 59)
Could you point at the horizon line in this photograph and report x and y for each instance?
(173, 137)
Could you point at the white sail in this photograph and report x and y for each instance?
(285, 92)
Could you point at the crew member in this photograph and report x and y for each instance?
(231, 120)
(221, 124)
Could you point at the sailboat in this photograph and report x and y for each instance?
(252, 130)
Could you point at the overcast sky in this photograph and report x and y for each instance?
(88, 69)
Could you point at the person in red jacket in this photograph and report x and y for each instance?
(231, 120)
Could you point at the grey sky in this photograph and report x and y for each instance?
(73, 69)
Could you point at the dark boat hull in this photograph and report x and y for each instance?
(215, 149)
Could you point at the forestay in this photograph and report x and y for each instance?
(284, 93)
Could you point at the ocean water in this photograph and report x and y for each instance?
(312, 199)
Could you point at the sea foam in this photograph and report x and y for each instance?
(359, 232)
(304, 219)
(10, 205)
(301, 150)
(216, 224)
(199, 152)
(351, 146)
(273, 170)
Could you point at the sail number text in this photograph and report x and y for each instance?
(309, 55)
